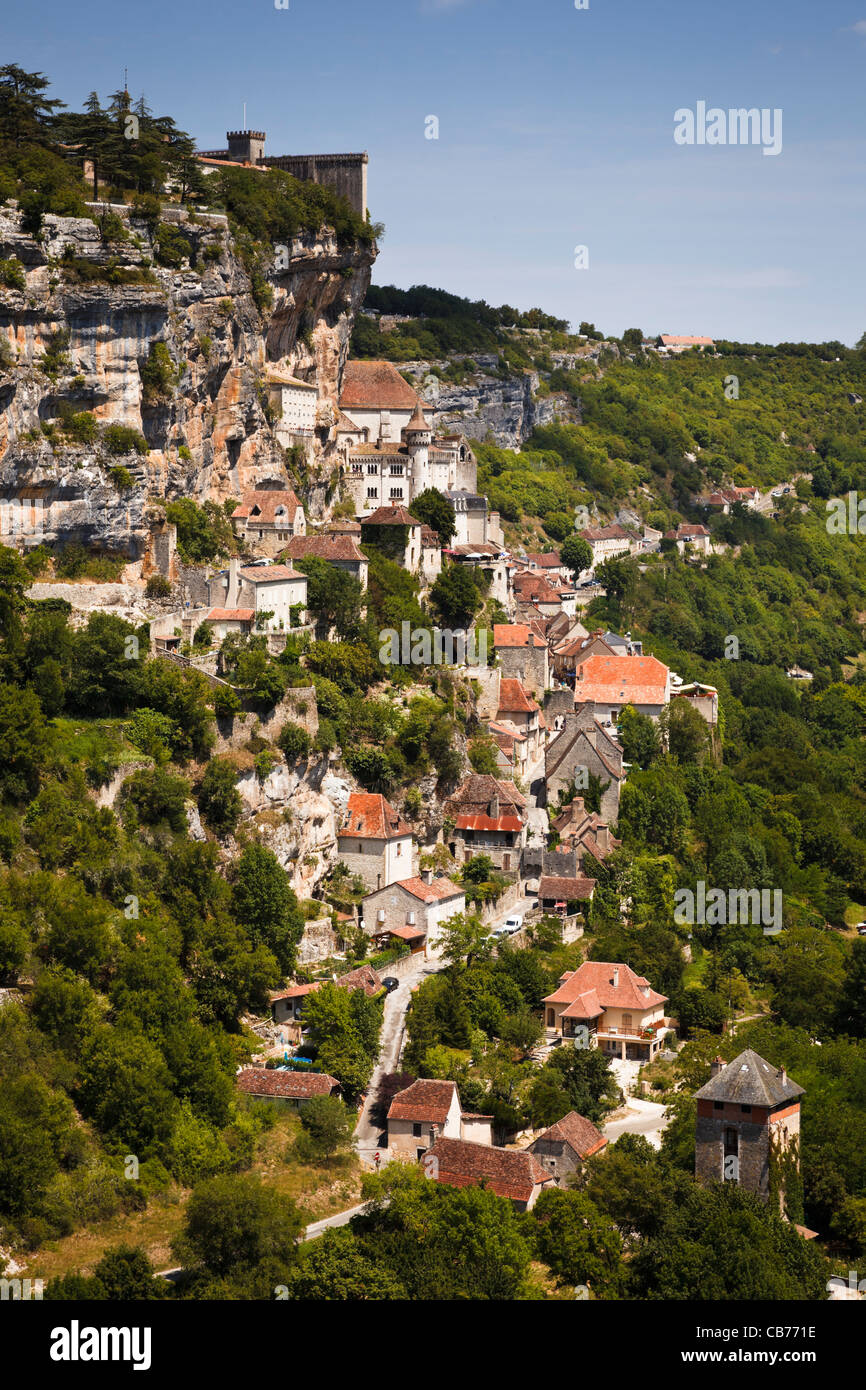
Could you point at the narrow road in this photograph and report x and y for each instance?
(647, 1117)
(390, 1049)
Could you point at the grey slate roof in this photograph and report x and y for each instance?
(749, 1080)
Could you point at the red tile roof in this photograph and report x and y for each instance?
(637, 680)
(264, 504)
(513, 1173)
(327, 547)
(513, 699)
(605, 533)
(514, 635)
(375, 386)
(436, 892)
(480, 822)
(596, 977)
(579, 1133)
(286, 1085)
(236, 615)
(566, 889)
(390, 516)
(270, 574)
(427, 1101)
(370, 817)
(548, 559)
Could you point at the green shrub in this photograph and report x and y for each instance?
(158, 586)
(172, 247)
(121, 477)
(158, 375)
(293, 741)
(184, 453)
(83, 427)
(122, 439)
(12, 274)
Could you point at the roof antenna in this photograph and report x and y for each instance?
(125, 81)
(245, 116)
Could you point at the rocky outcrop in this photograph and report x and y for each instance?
(506, 408)
(207, 433)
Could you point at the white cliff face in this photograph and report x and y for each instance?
(207, 435)
(296, 812)
(507, 408)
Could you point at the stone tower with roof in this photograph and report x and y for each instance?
(748, 1127)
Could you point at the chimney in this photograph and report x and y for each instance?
(616, 977)
(427, 876)
(718, 1065)
(783, 1076)
(494, 806)
(234, 582)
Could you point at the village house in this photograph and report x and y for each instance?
(287, 1005)
(520, 709)
(293, 1088)
(584, 749)
(704, 698)
(529, 587)
(341, 551)
(266, 518)
(294, 404)
(431, 555)
(396, 533)
(691, 537)
(277, 594)
(511, 748)
(413, 908)
(560, 896)
(622, 1014)
(549, 562)
(375, 842)
(223, 621)
(674, 343)
(585, 833)
(564, 1147)
(573, 650)
(489, 818)
(610, 682)
(513, 1173)
(522, 655)
(606, 541)
(428, 1110)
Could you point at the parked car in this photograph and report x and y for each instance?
(499, 932)
(390, 983)
(512, 925)
(861, 928)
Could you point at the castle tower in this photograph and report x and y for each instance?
(246, 146)
(418, 437)
(748, 1127)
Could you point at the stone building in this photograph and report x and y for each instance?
(374, 842)
(341, 551)
(748, 1127)
(427, 1110)
(618, 1010)
(274, 590)
(522, 655)
(345, 174)
(584, 749)
(513, 1173)
(488, 818)
(423, 903)
(563, 1148)
(612, 682)
(265, 518)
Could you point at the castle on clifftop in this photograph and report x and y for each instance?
(346, 174)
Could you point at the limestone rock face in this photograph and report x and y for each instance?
(507, 408)
(207, 435)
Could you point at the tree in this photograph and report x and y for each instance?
(639, 737)
(26, 743)
(437, 513)
(852, 1004)
(576, 553)
(482, 755)
(25, 113)
(124, 1087)
(455, 596)
(157, 798)
(686, 731)
(219, 799)
(327, 1126)
(265, 904)
(233, 1224)
(127, 1275)
(573, 1078)
(463, 938)
(293, 741)
(335, 1269)
(333, 596)
(578, 1242)
(344, 1028)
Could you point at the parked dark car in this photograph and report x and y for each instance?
(390, 983)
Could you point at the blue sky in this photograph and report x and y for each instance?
(555, 130)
